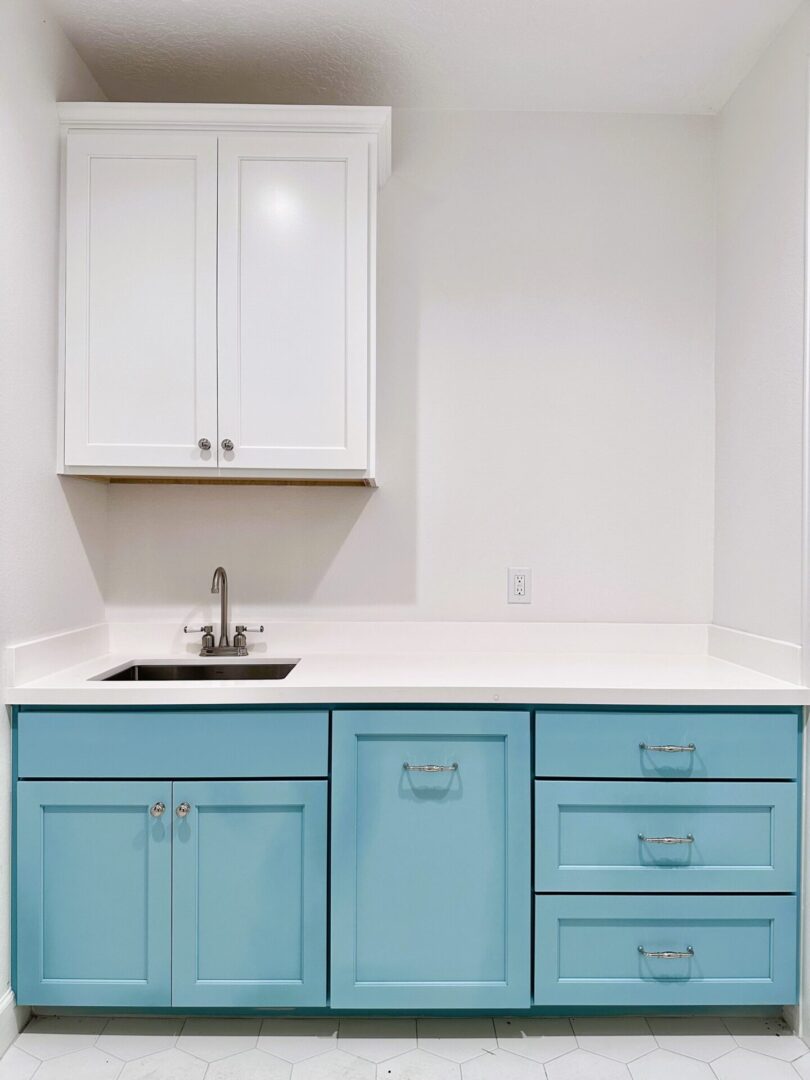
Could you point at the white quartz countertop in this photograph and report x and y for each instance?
(442, 677)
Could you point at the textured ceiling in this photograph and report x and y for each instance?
(589, 55)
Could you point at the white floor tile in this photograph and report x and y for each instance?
(622, 1038)
(766, 1035)
(48, 1036)
(16, 1065)
(801, 1065)
(298, 1039)
(418, 1065)
(377, 1039)
(746, 1065)
(211, 1038)
(168, 1065)
(537, 1038)
(459, 1040)
(580, 1065)
(664, 1065)
(130, 1037)
(701, 1037)
(336, 1065)
(501, 1065)
(251, 1065)
(89, 1064)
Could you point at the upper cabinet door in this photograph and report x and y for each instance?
(140, 299)
(295, 300)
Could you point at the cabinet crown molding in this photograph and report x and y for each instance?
(372, 120)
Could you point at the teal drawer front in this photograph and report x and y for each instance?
(171, 743)
(431, 870)
(671, 744)
(610, 836)
(588, 950)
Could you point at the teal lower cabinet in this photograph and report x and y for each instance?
(411, 859)
(249, 893)
(188, 894)
(638, 951)
(93, 893)
(431, 860)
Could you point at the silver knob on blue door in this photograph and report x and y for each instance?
(156, 809)
(183, 809)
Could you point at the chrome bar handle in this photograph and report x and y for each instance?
(430, 768)
(668, 748)
(667, 955)
(688, 839)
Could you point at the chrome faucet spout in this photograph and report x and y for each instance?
(219, 584)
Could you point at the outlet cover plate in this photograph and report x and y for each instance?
(519, 585)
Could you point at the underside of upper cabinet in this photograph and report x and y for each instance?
(218, 292)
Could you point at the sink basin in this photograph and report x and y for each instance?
(273, 669)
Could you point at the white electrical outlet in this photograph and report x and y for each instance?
(519, 585)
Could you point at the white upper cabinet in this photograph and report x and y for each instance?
(140, 299)
(219, 290)
(294, 301)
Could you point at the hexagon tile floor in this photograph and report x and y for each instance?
(591, 1048)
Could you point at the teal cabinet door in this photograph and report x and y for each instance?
(249, 893)
(431, 860)
(93, 893)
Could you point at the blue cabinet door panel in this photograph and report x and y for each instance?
(712, 950)
(170, 743)
(431, 886)
(249, 894)
(93, 893)
(606, 836)
(634, 744)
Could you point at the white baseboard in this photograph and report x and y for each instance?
(13, 1018)
(781, 659)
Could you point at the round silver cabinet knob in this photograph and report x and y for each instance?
(183, 809)
(227, 444)
(204, 444)
(157, 809)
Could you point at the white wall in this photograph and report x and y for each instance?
(52, 533)
(546, 334)
(762, 138)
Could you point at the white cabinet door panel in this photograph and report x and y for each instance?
(294, 300)
(140, 289)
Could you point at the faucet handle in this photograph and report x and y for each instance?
(240, 641)
(208, 636)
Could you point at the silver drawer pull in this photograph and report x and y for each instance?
(688, 839)
(430, 768)
(668, 748)
(690, 952)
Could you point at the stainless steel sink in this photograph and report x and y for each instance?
(274, 669)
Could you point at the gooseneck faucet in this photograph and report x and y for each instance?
(219, 584)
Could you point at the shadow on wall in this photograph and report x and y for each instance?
(87, 504)
(350, 548)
